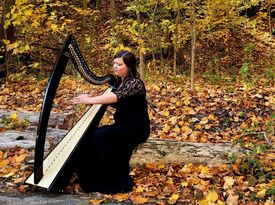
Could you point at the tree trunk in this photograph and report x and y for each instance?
(141, 52)
(193, 46)
(154, 44)
(112, 8)
(7, 34)
(269, 16)
(176, 38)
(83, 28)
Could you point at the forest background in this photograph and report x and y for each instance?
(209, 70)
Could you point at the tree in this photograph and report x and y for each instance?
(5, 34)
(193, 45)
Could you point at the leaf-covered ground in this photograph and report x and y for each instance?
(235, 112)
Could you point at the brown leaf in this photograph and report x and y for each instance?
(138, 199)
(120, 197)
(22, 188)
(232, 199)
(96, 201)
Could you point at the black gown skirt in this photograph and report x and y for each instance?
(101, 161)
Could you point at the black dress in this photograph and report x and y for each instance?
(101, 161)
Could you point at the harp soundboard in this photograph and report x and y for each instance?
(58, 157)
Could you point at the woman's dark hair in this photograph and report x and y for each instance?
(130, 61)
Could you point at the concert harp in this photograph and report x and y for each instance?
(47, 171)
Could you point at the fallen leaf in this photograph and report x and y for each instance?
(212, 196)
(20, 158)
(138, 199)
(232, 199)
(13, 116)
(173, 199)
(261, 194)
(120, 197)
(96, 201)
(228, 182)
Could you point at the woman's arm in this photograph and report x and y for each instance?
(107, 98)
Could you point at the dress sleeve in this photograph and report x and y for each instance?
(132, 87)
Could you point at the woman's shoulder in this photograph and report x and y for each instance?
(136, 81)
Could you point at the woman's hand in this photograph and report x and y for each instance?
(82, 99)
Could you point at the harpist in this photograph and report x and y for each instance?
(101, 160)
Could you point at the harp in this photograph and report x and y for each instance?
(47, 171)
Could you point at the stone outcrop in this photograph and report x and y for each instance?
(153, 151)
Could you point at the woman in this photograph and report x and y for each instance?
(102, 160)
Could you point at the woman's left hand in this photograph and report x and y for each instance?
(82, 99)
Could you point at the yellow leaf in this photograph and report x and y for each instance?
(177, 103)
(186, 101)
(120, 197)
(166, 128)
(13, 116)
(219, 202)
(139, 189)
(187, 168)
(96, 201)
(4, 163)
(211, 117)
(20, 158)
(187, 130)
(261, 194)
(138, 199)
(228, 182)
(268, 202)
(1, 153)
(184, 184)
(204, 121)
(173, 199)
(212, 196)
(54, 27)
(9, 174)
(203, 202)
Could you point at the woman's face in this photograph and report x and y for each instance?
(120, 68)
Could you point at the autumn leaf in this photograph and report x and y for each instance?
(22, 188)
(204, 121)
(138, 199)
(120, 197)
(13, 116)
(96, 201)
(20, 158)
(261, 194)
(228, 182)
(173, 199)
(232, 199)
(212, 196)
(151, 166)
(19, 180)
(4, 163)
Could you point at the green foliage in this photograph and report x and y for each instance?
(270, 73)
(14, 124)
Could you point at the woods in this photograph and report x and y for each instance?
(208, 66)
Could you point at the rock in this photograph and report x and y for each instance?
(60, 120)
(43, 199)
(169, 151)
(26, 138)
(153, 151)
